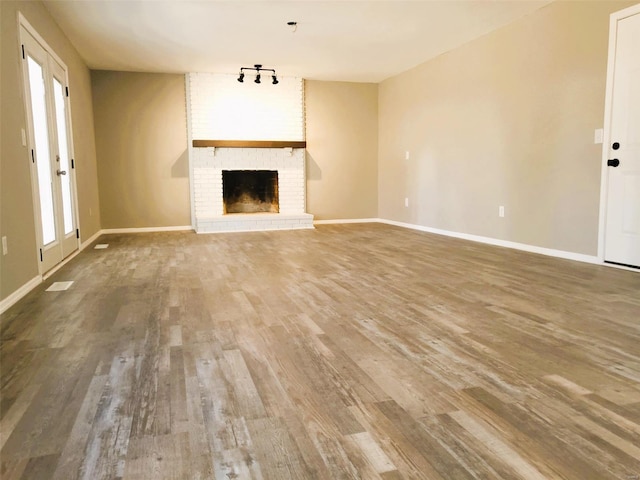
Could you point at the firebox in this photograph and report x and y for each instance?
(250, 191)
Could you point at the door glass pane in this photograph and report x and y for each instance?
(64, 164)
(40, 131)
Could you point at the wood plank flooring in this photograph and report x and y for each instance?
(346, 352)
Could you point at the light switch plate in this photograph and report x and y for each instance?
(598, 136)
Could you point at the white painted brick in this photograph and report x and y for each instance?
(209, 120)
(222, 108)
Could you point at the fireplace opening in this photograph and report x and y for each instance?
(250, 191)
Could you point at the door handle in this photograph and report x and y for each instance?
(61, 172)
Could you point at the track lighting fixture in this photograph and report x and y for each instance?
(258, 68)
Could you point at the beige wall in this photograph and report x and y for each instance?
(141, 140)
(507, 119)
(16, 204)
(342, 139)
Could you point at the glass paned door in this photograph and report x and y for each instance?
(41, 140)
(49, 127)
(64, 165)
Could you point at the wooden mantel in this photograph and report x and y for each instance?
(250, 143)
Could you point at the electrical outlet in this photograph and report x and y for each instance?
(406, 155)
(501, 211)
(406, 202)
(5, 249)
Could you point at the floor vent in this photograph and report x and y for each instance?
(59, 286)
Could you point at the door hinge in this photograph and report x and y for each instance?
(33, 157)
(73, 165)
(67, 90)
(77, 233)
(40, 254)
(23, 52)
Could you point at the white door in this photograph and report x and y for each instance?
(622, 231)
(50, 151)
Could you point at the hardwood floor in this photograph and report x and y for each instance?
(351, 351)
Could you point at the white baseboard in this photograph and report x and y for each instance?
(146, 229)
(19, 293)
(90, 240)
(578, 257)
(346, 220)
(35, 281)
(83, 245)
(61, 264)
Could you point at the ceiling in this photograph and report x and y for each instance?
(359, 41)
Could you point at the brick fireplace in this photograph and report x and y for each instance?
(210, 162)
(237, 127)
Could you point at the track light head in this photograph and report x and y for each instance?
(274, 80)
(257, 80)
(241, 77)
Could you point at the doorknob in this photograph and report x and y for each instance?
(613, 163)
(63, 172)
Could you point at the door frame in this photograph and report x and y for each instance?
(24, 23)
(608, 106)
